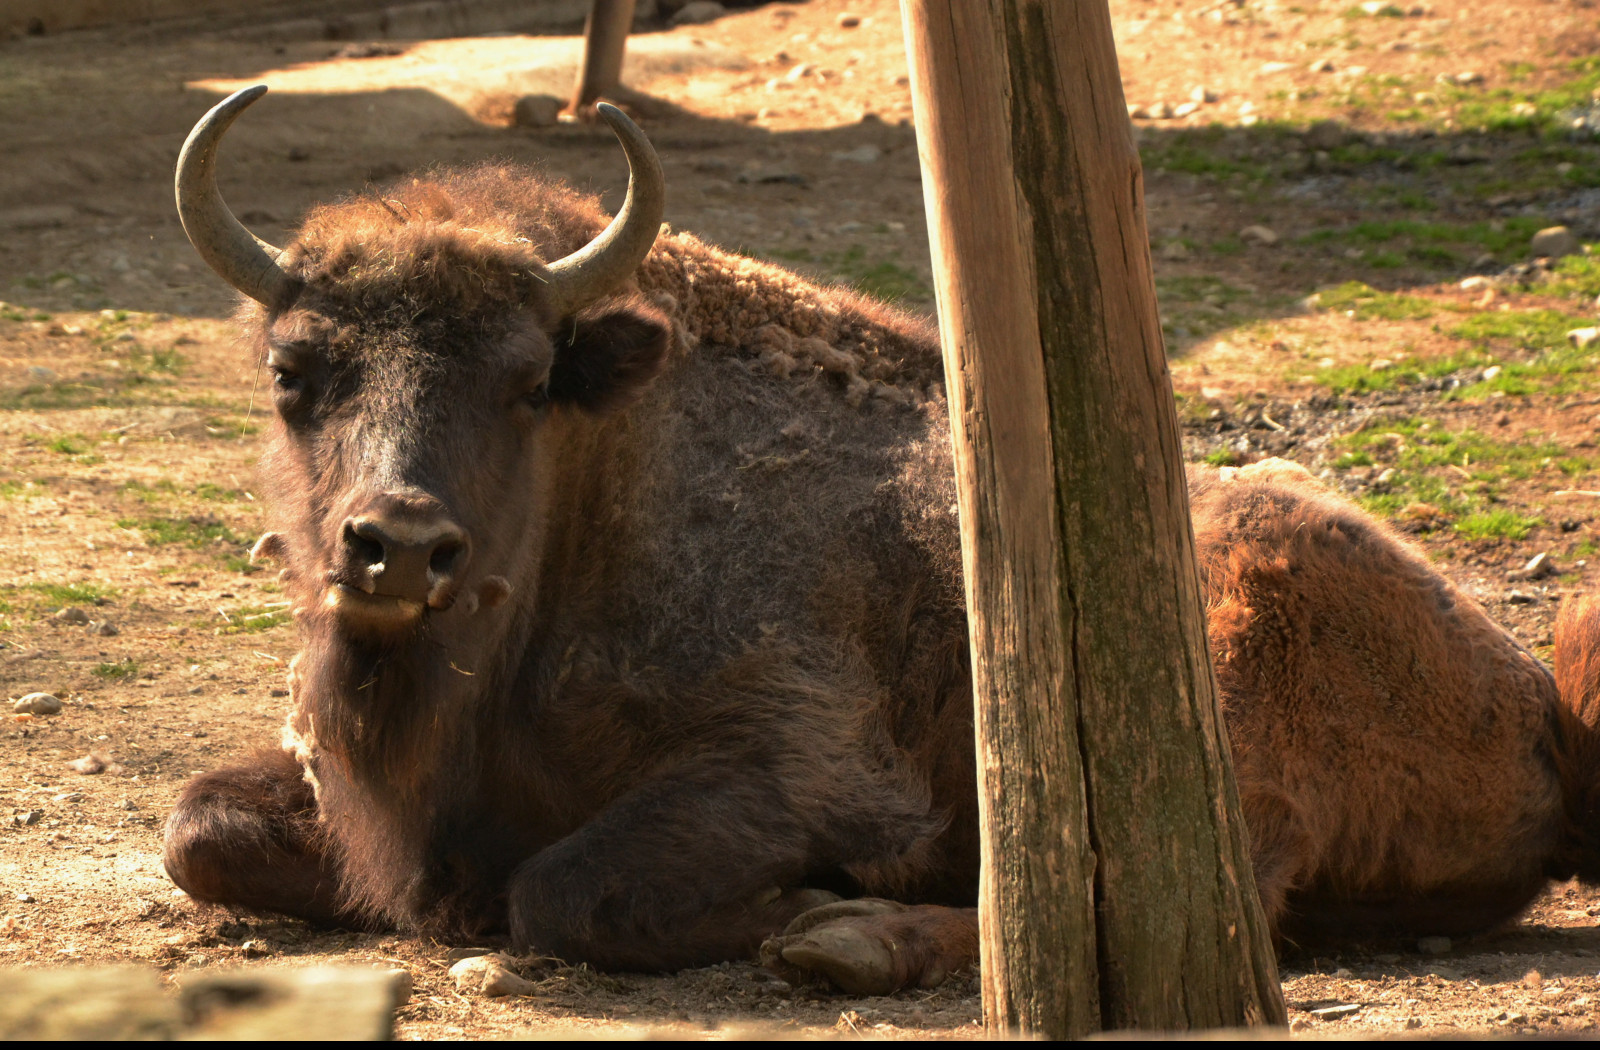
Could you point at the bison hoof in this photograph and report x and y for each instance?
(830, 942)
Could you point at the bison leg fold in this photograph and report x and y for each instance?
(876, 947)
(682, 873)
(247, 836)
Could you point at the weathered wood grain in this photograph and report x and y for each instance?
(1117, 887)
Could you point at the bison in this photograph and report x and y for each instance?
(627, 573)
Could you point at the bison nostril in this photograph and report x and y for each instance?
(367, 549)
(442, 563)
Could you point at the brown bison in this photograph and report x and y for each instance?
(628, 577)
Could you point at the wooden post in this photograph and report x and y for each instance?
(1117, 890)
(605, 39)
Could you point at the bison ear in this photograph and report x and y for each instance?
(604, 362)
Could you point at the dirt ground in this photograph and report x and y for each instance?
(1392, 152)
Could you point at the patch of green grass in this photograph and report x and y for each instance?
(1437, 243)
(1577, 276)
(69, 445)
(1223, 457)
(192, 531)
(1352, 459)
(118, 671)
(73, 593)
(1368, 303)
(253, 619)
(1552, 364)
(1497, 524)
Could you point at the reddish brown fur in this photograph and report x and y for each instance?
(734, 662)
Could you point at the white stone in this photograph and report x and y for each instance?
(37, 704)
(1258, 235)
(1583, 338)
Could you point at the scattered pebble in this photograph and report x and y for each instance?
(1260, 235)
(1469, 77)
(105, 629)
(536, 111)
(1554, 242)
(860, 155)
(698, 12)
(1326, 134)
(489, 975)
(1174, 251)
(846, 20)
(800, 72)
(1538, 566)
(24, 897)
(89, 764)
(37, 704)
(71, 614)
(1381, 364)
(26, 819)
(1321, 65)
(1582, 338)
(1434, 945)
(1491, 373)
(1185, 108)
(1517, 598)
(1203, 94)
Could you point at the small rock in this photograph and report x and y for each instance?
(299, 153)
(1539, 566)
(846, 20)
(1554, 242)
(68, 796)
(1520, 598)
(698, 12)
(1533, 979)
(1184, 109)
(490, 975)
(277, 692)
(1486, 261)
(1342, 1010)
(1381, 364)
(800, 72)
(1269, 68)
(37, 704)
(1160, 111)
(1342, 974)
(1412, 1022)
(1582, 338)
(536, 111)
(105, 629)
(1326, 134)
(1321, 65)
(41, 374)
(1387, 476)
(860, 155)
(1490, 373)
(71, 614)
(1259, 235)
(1433, 945)
(1475, 284)
(24, 897)
(1174, 251)
(26, 819)
(1203, 95)
(1469, 77)
(89, 764)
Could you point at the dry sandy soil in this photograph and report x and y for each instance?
(129, 423)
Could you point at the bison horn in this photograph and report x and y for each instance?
(241, 258)
(610, 259)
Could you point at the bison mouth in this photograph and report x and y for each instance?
(379, 612)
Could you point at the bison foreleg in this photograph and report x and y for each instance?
(681, 873)
(247, 836)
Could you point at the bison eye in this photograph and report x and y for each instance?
(288, 381)
(538, 398)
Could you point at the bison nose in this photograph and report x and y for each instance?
(419, 560)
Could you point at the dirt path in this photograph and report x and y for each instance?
(127, 431)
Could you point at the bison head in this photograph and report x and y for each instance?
(431, 373)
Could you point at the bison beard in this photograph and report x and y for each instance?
(633, 629)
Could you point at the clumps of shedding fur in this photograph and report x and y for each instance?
(795, 327)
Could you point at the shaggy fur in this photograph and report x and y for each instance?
(733, 665)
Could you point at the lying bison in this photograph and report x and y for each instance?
(628, 577)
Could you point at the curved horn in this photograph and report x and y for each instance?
(241, 258)
(609, 259)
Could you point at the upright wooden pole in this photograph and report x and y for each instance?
(605, 40)
(1117, 889)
